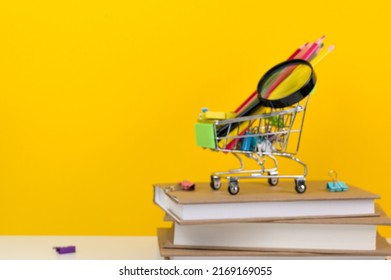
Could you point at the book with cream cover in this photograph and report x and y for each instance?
(259, 201)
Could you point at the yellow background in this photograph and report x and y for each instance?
(98, 101)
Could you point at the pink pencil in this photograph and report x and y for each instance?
(314, 47)
(293, 55)
(302, 51)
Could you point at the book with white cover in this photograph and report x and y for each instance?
(383, 249)
(353, 233)
(260, 201)
(276, 236)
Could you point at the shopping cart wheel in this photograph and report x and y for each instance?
(233, 186)
(273, 181)
(215, 182)
(300, 186)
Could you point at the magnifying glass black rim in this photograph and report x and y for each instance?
(294, 97)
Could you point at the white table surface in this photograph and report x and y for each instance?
(87, 247)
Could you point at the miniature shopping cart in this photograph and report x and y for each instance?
(263, 138)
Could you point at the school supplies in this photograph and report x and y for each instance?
(314, 52)
(312, 49)
(65, 250)
(262, 125)
(246, 102)
(335, 185)
(260, 202)
(187, 185)
(265, 137)
(289, 93)
(235, 130)
(210, 115)
(253, 96)
(291, 90)
(322, 54)
(295, 53)
(308, 52)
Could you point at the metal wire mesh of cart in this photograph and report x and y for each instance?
(266, 133)
(262, 137)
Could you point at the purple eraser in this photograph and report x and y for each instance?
(65, 250)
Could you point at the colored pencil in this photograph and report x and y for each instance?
(322, 54)
(252, 97)
(314, 47)
(305, 55)
(295, 53)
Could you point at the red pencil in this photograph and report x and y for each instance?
(231, 144)
(293, 55)
(314, 47)
(246, 102)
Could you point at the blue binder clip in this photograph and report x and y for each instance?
(247, 141)
(335, 185)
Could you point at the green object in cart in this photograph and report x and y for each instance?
(276, 121)
(205, 135)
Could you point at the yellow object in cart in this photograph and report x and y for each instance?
(210, 115)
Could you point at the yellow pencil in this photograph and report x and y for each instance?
(300, 74)
(292, 83)
(323, 53)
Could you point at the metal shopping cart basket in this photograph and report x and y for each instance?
(263, 138)
(270, 128)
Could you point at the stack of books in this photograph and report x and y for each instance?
(264, 222)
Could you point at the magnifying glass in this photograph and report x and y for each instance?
(286, 84)
(282, 86)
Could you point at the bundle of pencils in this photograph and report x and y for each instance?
(311, 52)
(273, 88)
